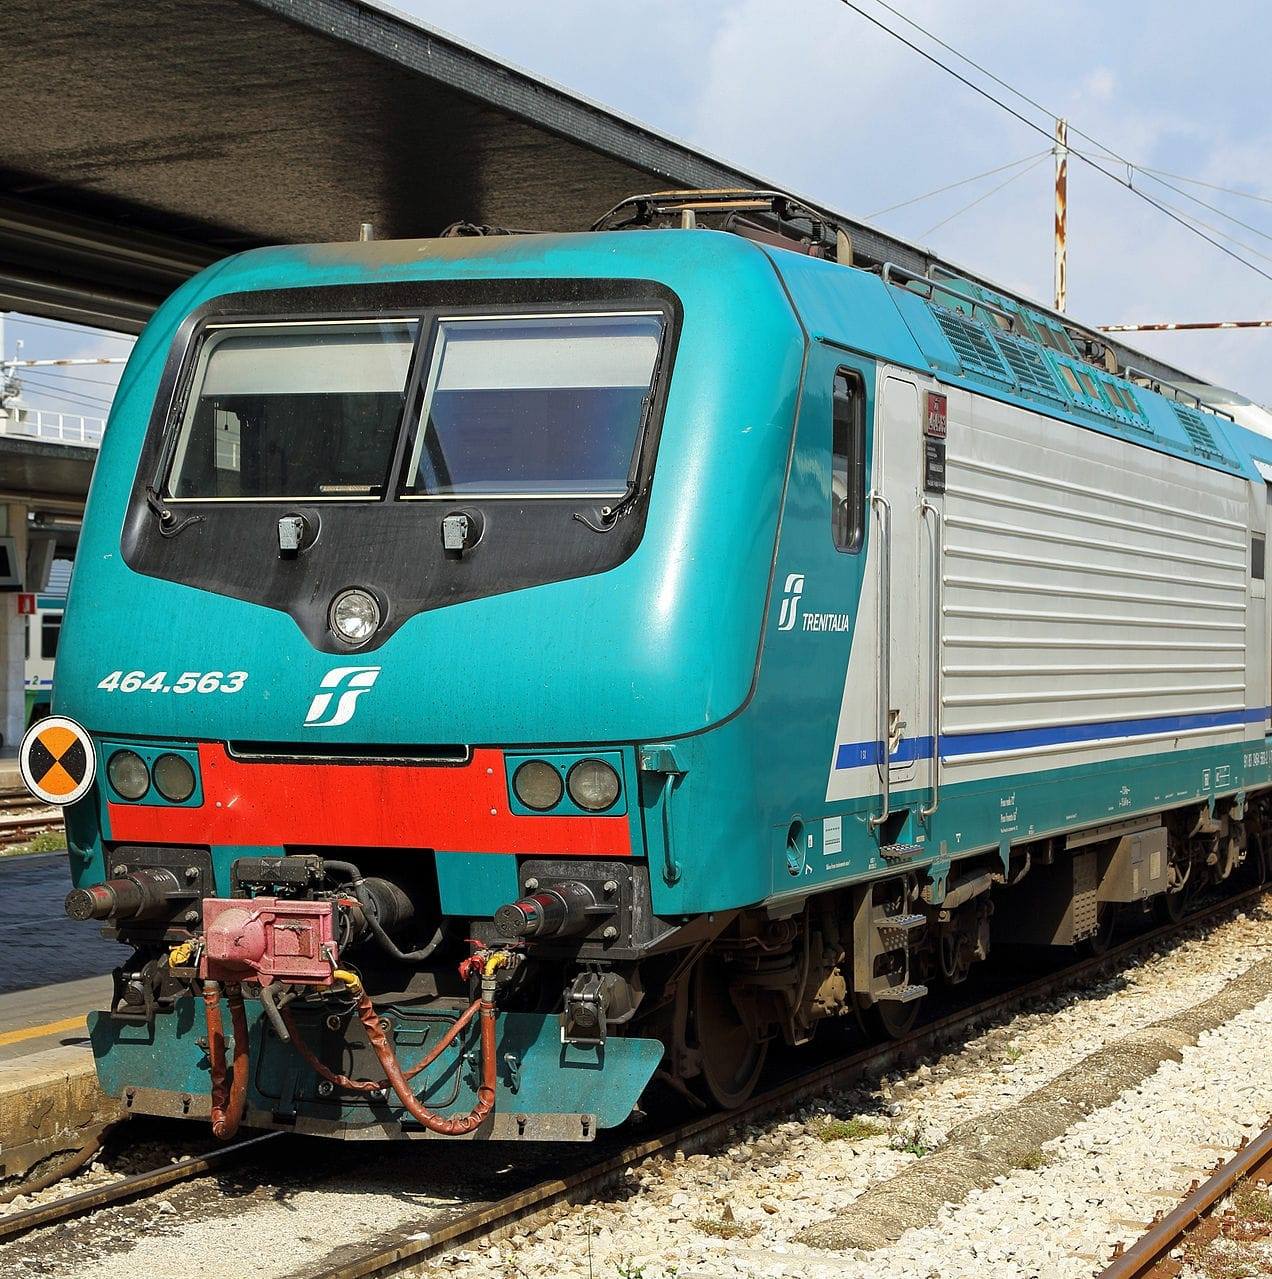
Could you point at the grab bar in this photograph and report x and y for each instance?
(883, 511)
(934, 638)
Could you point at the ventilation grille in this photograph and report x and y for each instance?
(972, 345)
(1198, 431)
(1029, 367)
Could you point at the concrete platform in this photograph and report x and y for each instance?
(50, 1108)
(10, 777)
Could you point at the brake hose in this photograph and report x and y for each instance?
(229, 1103)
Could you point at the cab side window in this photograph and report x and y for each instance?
(848, 461)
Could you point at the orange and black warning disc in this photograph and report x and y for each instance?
(56, 760)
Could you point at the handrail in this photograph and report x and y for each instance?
(883, 511)
(46, 424)
(934, 710)
(891, 269)
(1155, 383)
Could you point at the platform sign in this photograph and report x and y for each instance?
(26, 605)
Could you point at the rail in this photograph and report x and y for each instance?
(527, 1208)
(44, 424)
(1149, 1257)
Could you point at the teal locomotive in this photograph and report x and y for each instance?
(506, 671)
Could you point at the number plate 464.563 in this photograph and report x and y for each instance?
(186, 682)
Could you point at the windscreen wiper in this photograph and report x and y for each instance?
(169, 525)
(610, 515)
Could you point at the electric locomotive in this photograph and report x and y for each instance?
(503, 671)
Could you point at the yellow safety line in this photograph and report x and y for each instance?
(38, 1032)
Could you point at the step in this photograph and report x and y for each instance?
(901, 994)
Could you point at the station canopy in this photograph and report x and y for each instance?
(140, 142)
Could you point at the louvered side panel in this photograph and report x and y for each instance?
(1094, 591)
(1198, 430)
(973, 346)
(1032, 373)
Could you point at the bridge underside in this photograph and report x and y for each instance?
(154, 138)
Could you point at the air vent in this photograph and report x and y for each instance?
(1198, 429)
(1029, 367)
(974, 347)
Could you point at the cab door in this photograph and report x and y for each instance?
(902, 518)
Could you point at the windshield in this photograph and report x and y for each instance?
(533, 406)
(512, 406)
(294, 410)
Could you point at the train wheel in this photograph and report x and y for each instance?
(732, 1058)
(1172, 905)
(890, 1018)
(1105, 927)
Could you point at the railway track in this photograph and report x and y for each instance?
(22, 818)
(71, 1207)
(605, 1170)
(1150, 1256)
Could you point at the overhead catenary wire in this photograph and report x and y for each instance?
(64, 376)
(1126, 182)
(67, 327)
(39, 381)
(70, 397)
(1192, 217)
(950, 186)
(985, 195)
(1213, 186)
(1107, 152)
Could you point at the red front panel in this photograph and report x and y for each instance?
(461, 809)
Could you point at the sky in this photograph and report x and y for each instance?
(808, 95)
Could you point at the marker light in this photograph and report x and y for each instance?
(354, 617)
(174, 778)
(128, 774)
(538, 785)
(593, 785)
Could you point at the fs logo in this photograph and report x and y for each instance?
(790, 602)
(350, 682)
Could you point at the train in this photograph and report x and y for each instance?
(43, 630)
(515, 676)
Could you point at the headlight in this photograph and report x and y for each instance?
(174, 778)
(593, 785)
(354, 616)
(538, 785)
(128, 774)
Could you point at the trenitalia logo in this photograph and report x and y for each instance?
(790, 602)
(350, 682)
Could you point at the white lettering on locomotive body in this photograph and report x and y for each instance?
(828, 621)
(353, 681)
